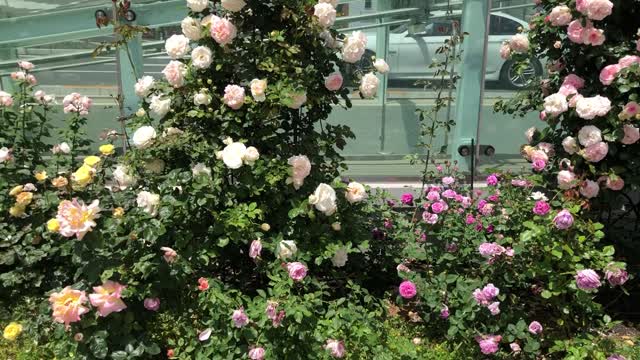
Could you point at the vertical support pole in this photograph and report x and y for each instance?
(475, 21)
(382, 52)
(130, 69)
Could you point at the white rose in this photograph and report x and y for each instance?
(324, 199)
(144, 137)
(197, 5)
(201, 169)
(160, 106)
(340, 258)
(201, 57)
(155, 166)
(123, 177)
(369, 85)
(177, 46)
(325, 13)
(333, 3)
(354, 47)
(172, 131)
(149, 202)
(191, 28)
(251, 155)
(144, 85)
(381, 66)
(258, 88)
(62, 148)
(570, 146)
(286, 249)
(537, 195)
(5, 154)
(589, 135)
(233, 155)
(355, 192)
(207, 20)
(555, 104)
(202, 98)
(300, 169)
(233, 5)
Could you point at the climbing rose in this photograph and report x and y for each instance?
(222, 30)
(560, 15)
(519, 43)
(407, 289)
(234, 96)
(256, 353)
(297, 271)
(588, 279)
(107, 298)
(334, 81)
(489, 343)
(563, 220)
(615, 275)
(239, 318)
(76, 218)
(535, 328)
(255, 249)
(68, 305)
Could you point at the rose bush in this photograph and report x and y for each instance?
(507, 270)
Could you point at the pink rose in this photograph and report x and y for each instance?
(609, 73)
(175, 72)
(631, 135)
(234, 96)
(598, 9)
(630, 110)
(107, 298)
(589, 135)
(592, 36)
(566, 179)
(334, 81)
(152, 304)
(590, 107)
(5, 99)
(614, 182)
(563, 220)
(256, 353)
(297, 271)
(505, 51)
(582, 6)
(538, 165)
(222, 30)
(567, 90)
(535, 328)
(170, 255)
(489, 344)
(240, 318)
(519, 43)
(300, 169)
(628, 60)
(574, 31)
(616, 276)
(560, 16)
(433, 196)
(255, 249)
(589, 189)
(573, 80)
(407, 289)
(588, 280)
(596, 152)
(25, 65)
(335, 348)
(439, 207)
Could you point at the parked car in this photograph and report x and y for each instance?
(410, 54)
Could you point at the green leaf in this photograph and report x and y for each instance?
(546, 294)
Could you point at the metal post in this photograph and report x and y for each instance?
(382, 52)
(475, 21)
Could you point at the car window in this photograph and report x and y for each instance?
(503, 26)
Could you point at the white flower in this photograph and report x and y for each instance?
(177, 46)
(590, 107)
(144, 137)
(144, 85)
(369, 85)
(5, 154)
(160, 106)
(589, 135)
(258, 88)
(233, 5)
(141, 112)
(62, 148)
(197, 5)
(172, 131)
(201, 57)
(324, 199)
(381, 66)
(300, 169)
(336, 226)
(354, 47)
(333, 3)
(537, 196)
(200, 169)
(233, 155)
(202, 98)
(174, 72)
(570, 146)
(155, 166)
(123, 178)
(555, 104)
(148, 202)
(286, 249)
(191, 28)
(355, 192)
(251, 155)
(340, 258)
(325, 13)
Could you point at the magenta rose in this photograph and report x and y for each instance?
(407, 199)
(407, 289)
(535, 328)
(255, 249)
(587, 280)
(152, 304)
(541, 208)
(616, 276)
(297, 271)
(489, 344)
(563, 220)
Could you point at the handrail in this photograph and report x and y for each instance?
(372, 26)
(378, 15)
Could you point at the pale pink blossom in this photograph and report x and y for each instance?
(489, 344)
(613, 182)
(590, 107)
(598, 9)
(630, 110)
(107, 298)
(566, 179)
(25, 65)
(76, 218)
(573, 80)
(519, 43)
(77, 103)
(325, 13)
(560, 15)
(505, 51)
(596, 152)
(255, 249)
(300, 169)
(234, 96)
(592, 36)
(256, 353)
(222, 30)
(631, 135)
(335, 348)
(609, 73)
(589, 135)
(334, 81)
(152, 304)
(555, 104)
(587, 280)
(570, 146)
(589, 189)
(68, 305)
(169, 255)
(240, 318)
(297, 271)
(175, 72)
(574, 31)
(628, 60)
(5, 99)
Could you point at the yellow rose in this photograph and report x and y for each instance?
(118, 212)
(106, 149)
(16, 211)
(60, 182)
(16, 190)
(83, 176)
(53, 225)
(24, 198)
(41, 176)
(12, 331)
(91, 160)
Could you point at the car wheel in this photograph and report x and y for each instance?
(512, 79)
